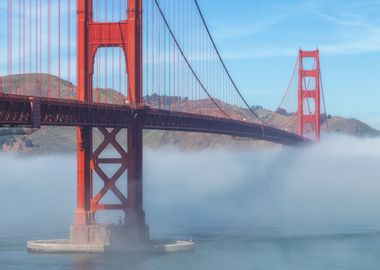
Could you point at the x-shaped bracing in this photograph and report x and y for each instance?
(109, 182)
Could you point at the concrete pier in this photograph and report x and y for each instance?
(63, 246)
(107, 238)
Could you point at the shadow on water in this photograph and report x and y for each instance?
(133, 261)
(110, 261)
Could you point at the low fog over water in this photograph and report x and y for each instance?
(334, 184)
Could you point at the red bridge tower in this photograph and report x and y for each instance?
(305, 94)
(91, 36)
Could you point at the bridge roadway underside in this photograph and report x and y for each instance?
(17, 111)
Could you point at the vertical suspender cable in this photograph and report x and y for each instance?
(199, 55)
(159, 62)
(8, 32)
(98, 57)
(154, 57)
(170, 62)
(173, 62)
(173, 73)
(36, 49)
(146, 77)
(119, 54)
(188, 49)
(19, 36)
(23, 37)
(192, 52)
(106, 58)
(113, 57)
(184, 46)
(49, 47)
(30, 48)
(9, 44)
(40, 54)
(59, 48)
(164, 63)
(70, 94)
(323, 97)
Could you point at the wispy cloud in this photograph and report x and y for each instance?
(235, 31)
(369, 43)
(359, 33)
(340, 31)
(253, 53)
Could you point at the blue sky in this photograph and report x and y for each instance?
(260, 40)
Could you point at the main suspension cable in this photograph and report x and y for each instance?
(187, 61)
(323, 96)
(224, 65)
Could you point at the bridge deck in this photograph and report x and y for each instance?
(35, 112)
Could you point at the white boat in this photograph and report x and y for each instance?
(180, 246)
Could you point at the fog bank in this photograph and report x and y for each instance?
(336, 183)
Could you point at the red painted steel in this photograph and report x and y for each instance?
(126, 34)
(109, 182)
(309, 94)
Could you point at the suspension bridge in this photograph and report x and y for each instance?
(116, 65)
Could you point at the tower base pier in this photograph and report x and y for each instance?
(109, 234)
(96, 239)
(108, 239)
(89, 234)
